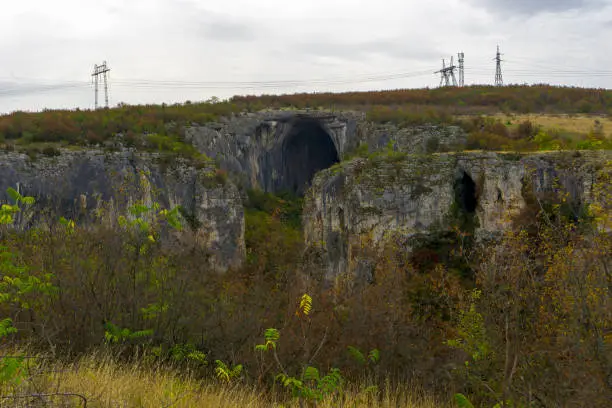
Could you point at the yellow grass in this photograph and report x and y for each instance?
(106, 383)
(582, 124)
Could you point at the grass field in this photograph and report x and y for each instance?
(580, 124)
(104, 383)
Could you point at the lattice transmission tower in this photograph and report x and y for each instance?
(499, 81)
(461, 56)
(447, 74)
(101, 71)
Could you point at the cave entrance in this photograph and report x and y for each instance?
(307, 149)
(465, 194)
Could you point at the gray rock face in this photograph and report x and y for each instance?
(413, 139)
(276, 151)
(96, 186)
(354, 208)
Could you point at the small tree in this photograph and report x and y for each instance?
(309, 386)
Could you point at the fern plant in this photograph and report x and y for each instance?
(305, 305)
(462, 401)
(271, 337)
(313, 387)
(188, 353)
(227, 373)
(372, 358)
(114, 334)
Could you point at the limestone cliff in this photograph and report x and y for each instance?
(353, 206)
(282, 150)
(350, 205)
(97, 186)
(279, 150)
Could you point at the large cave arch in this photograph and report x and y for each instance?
(306, 149)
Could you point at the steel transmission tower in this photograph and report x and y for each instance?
(461, 56)
(447, 74)
(101, 70)
(499, 81)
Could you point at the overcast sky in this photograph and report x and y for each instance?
(177, 50)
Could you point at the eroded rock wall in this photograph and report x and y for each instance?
(95, 186)
(353, 208)
(252, 148)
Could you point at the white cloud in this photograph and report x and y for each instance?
(273, 40)
(530, 7)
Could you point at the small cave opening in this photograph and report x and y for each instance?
(500, 196)
(465, 193)
(307, 149)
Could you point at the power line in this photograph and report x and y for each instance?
(518, 69)
(255, 84)
(35, 89)
(175, 84)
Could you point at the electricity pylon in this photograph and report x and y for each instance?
(101, 70)
(461, 56)
(447, 74)
(499, 81)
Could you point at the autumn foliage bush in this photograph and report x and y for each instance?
(538, 331)
(525, 322)
(92, 127)
(529, 324)
(474, 99)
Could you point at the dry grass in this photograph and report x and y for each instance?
(106, 383)
(580, 124)
(564, 123)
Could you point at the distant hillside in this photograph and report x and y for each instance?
(160, 127)
(519, 99)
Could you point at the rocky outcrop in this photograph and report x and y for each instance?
(254, 147)
(419, 139)
(282, 150)
(97, 186)
(354, 207)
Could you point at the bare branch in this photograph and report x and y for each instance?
(319, 348)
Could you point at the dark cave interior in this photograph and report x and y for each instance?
(465, 193)
(307, 149)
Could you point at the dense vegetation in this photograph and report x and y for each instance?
(525, 324)
(474, 99)
(162, 127)
(146, 127)
(413, 105)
